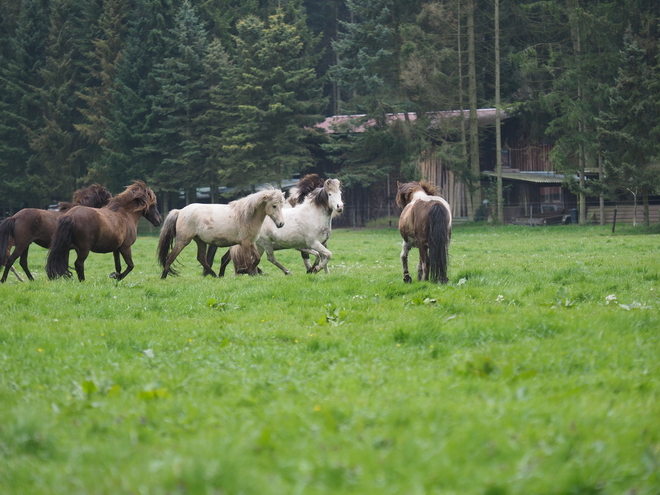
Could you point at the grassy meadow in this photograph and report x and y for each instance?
(536, 370)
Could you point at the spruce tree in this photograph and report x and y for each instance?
(98, 94)
(131, 152)
(23, 58)
(631, 150)
(181, 99)
(278, 101)
(59, 149)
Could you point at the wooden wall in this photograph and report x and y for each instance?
(455, 192)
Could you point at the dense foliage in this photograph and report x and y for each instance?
(191, 93)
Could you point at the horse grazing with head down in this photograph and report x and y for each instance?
(34, 225)
(425, 223)
(111, 229)
(238, 222)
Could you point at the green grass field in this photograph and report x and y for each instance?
(536, 370)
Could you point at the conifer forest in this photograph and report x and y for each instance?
(207, 93)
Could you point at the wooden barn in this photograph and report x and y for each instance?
(533, 190)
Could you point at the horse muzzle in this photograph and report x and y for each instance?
(279, 225)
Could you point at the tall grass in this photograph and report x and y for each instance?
(535, 370)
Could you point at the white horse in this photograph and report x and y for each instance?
(239, 222)
(307, 228)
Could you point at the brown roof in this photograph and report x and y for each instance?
(357, 123)
(538, 177)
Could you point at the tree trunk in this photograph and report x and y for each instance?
(498, 123)
(475, 190)
(601, 176)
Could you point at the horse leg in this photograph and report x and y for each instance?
(24, 264)
(9, 264)
(210, 255)
(117, 271)
(226, 259)
(128, 259)
(201, 257)
(79, 264)
(305, 256)
(322, 258)
(422, 266)
(405, 249)
(270, 254)
(176, 250)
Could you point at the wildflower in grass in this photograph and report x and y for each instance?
(317, 408)
(499, 298)
(40, 349)
(610, 299)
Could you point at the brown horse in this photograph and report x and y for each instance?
(34, 225)
(425, 223)
(111, 229)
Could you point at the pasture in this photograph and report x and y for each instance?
(534, 370)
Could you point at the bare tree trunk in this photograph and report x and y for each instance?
(601, 176)
(577, 50)
(460, 87)
(475, 193)
(498, 122)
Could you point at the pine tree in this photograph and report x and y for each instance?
(98, 94)
(630, 148)
(131, 152)
(279, 99)
(59, 149)
(20, 65)
(181, 99)
(221, 79)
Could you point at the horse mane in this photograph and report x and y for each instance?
(303, 187)
(245, 207)
(405, 191)
(64, 206)
(138, 192)
(95, 195)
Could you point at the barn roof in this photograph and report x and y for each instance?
(537, 177)
(357, 123)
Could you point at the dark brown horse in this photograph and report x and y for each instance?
(34, 225)
(425, 223)
(111, 229)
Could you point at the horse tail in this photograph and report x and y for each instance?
(167, 238)
(439, 237)
(57, 264)
(6, 231)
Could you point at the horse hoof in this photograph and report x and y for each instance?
(407, 279)
(114, 275)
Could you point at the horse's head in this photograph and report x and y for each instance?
(141, 199)
(333, 189)
(274, 204)
(406, 192)
(153, 215)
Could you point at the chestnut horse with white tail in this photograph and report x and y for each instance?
(425, 223)
(239, 222)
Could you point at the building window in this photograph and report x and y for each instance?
(551, 194)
